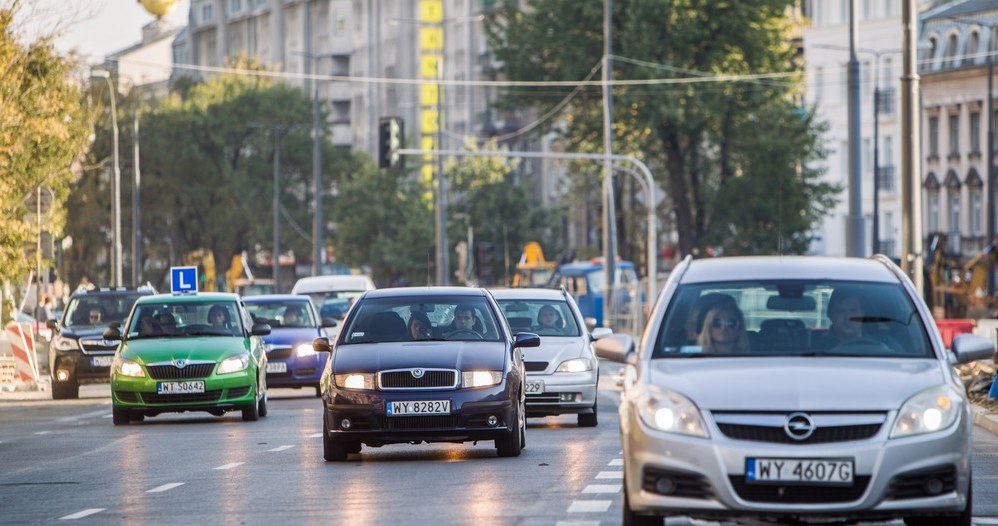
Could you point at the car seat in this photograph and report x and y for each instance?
(387, 326)
(517, 324)
(782, 334)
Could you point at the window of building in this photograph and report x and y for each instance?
(890, 7)
(887, 80)
(819, 82)
(207, 13)
(976, 198)
(930, 51)
(933, 211)
(235, 6)
(954, 210)
(970, 52)
(867, 80)
(951, 47)
(887, 154)
(934, 136)
(954, 134)
(867, 10)
(867, 156)
(975, 132)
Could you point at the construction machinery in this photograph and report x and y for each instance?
(959, 289)
(533, 270)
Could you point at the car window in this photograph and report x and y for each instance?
(208, 318)
(108, 308)
(525, 316)
(450, 318)
(792, 317)
(282, 313)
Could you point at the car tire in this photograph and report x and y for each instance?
(136, 417)
(589, 419)
(633, 519)
(251, 413)
(332, 451)
(69, 389)
(119, 417)
(965, 518)
(318, 392)
(262, 405)
(512, 443)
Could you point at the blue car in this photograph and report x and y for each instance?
(586, 282)
(294, 323)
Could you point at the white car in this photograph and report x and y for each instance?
(562, 372)
(794, 389)
(333, 295)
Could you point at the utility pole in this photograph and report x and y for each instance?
(854, 232)
(911, 202)
(991, 165)
(609, 215)
(136, 218)
(115, 184)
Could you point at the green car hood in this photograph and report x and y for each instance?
(215, 348)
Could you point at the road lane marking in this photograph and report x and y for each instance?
(602, 488)
(589, 506)
(165, 487)
(577, 523)
(985, 520)
(81, 514)
(109, 415)
(610, 475)
(616, 462)
(280, 448)
(315, 435)
(230, 466)
(100, 412)
(43, 433)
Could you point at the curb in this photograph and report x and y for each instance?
(985, 420)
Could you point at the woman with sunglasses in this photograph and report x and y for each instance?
(724, 331)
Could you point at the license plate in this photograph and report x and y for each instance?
(101, 361)
(535, 387)
(803, 470)
(428, 407)
(196, 386)
(277, 367)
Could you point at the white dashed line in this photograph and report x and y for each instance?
(280, 448)
(985, 520)
(610, 475)
(230, 466)
(99, 412)
(43, 433)
(81, 514)
(616, 462)
(109, 415)
(577, 523)
(165, 487)
(589, 506)
(315, 435)
(602, 488)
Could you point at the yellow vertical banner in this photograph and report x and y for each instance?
(431, 11)
(428, 95)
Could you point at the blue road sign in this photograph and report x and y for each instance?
(183, 280)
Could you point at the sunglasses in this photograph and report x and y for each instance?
(462, 317)
(720, 323)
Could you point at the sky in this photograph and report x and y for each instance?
(97, 27)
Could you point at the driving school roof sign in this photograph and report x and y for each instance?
(183, 280)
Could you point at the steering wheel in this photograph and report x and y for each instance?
(546, 330)
(464, 332)
(862, 340)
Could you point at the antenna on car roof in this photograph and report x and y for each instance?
(779, 221)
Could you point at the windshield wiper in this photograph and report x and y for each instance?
(209, 333)
(874, 319)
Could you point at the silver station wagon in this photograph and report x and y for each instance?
(794, 389)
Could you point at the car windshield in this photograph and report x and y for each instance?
(543, 317)
(166, 320)
(414, 318)
(96, 310)
(282, 313)
(792, 318)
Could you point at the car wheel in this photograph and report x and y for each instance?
(65, 390)
(318, 392)
(511, 444)
(136, 417)
(251, 413)
(633, 519)
(262, 405)
(332, 450)
(965, 518)
(119, 416)
(589, 419)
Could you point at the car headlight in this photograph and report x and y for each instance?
(304, 349)
(480, 378)
(130, 368)
(355, 380)
(65, 344)
(575, 365)
(929, 411)
(233, 364)
(671, 412)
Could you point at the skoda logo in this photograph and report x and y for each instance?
(418, 373)
(799, 426)
(108, 343)
(180, 364)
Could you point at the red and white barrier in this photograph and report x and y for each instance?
(22, 343)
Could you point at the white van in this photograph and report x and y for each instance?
(333, 294)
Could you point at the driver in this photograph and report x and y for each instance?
(845, 310)
(549, 318)
(464, 320)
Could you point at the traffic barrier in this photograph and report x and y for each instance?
(8, 369)
(22, 342)
(953, 328)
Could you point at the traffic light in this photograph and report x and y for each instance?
(485, 262)
(390, 141)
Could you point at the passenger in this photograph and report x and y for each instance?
(694, 321)
(420, 327)
(548, 318)
(293, 316)
(147, 325)
(724, 330)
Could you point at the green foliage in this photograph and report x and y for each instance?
(721, 150)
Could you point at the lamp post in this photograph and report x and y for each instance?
(115, 184)
(278, 131)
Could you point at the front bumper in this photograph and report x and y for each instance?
(84, 368)
(551, 402)
(226, 393)
(467, 421)
(299, 371)
(711, 475)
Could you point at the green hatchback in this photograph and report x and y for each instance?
(188, 352)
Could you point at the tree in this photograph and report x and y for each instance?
(712, 140)
(43, 131)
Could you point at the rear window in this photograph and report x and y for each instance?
(793, 318)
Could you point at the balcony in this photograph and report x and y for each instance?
(886, 180)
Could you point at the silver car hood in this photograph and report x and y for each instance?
(797, 383)
(555, 350)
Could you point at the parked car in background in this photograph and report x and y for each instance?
(429, 364)
(78, 353)
(586, 282)
(294, 324)
(333, 295)
(562, 372)
(794, 389)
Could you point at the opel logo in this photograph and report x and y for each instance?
(180, 364)
(799, 426)
(418, 373)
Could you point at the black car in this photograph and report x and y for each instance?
(435, 364)
(79, 354)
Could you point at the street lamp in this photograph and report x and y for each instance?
(116, 183)
(278, 131)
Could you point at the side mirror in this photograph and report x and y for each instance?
(329, 322)
(111, 333)
(52, 324)
(600, 332)
(617, 348)
(321, 345)
(590, 323)
(260, 329)
(526, 339)
(971, 347)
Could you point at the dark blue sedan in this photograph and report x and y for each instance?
(294, 323)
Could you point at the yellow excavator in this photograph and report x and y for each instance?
(960, 290)
(533, 270)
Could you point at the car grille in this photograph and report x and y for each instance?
(127, 396)
(829, 427)
(170, 372)
(685, 484)
(305, 372)
(207, 396)
(821, 435)
(280, 352)
(535, 367)
(98, 346)
(914, 484)
(278, 376)
(418, 422)
(791, 494)
(238, 392)
(431, 379)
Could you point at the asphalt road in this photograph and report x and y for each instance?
(64, 461)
